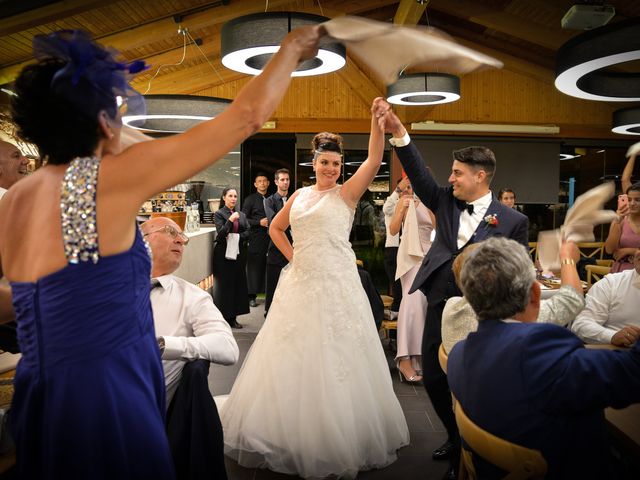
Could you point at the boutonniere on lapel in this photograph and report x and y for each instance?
(491, 221)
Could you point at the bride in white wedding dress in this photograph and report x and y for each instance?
(314, 396)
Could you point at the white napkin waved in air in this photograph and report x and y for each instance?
(388, 49)
(586, 213)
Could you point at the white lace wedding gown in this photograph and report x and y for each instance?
(314, 396)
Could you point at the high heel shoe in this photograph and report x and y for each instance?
(413, 379)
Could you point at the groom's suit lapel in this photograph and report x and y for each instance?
(484, 229)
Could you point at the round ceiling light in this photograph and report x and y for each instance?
(248, 42)
(175, 113)
(627, 121)
(580, 63)
(424, 89)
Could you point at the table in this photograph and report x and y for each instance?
(624, 424)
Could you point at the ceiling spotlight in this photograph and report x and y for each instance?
(248, 42)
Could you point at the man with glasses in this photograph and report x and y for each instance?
(188, 324)
(191, 332)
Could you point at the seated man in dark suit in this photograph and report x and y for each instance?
(530, 383)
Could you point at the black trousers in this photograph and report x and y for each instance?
(256, 265)
(441, 286)
(390, 264)
(273, 275)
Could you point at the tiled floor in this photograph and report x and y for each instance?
(414, 461)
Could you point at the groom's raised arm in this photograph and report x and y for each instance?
(422, 182)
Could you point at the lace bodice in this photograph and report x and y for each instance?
(320, 226)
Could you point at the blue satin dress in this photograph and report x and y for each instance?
(89, 398)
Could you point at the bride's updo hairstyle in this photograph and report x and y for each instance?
(326, 142)
(58, 99)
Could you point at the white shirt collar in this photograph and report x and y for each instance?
(164, 280)
(483, 202)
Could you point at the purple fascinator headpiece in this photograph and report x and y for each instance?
(90, 70)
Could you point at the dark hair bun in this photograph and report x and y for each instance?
(326, 141)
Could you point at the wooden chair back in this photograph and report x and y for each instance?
(521, 463)
(595, 273)
(593, 250)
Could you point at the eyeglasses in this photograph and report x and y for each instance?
(172, 232)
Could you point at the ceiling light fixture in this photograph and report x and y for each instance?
(175, 113)
(424, 89)
(581, 63)
(627, 121)
(248, 42)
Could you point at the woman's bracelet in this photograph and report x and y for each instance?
(567, 261)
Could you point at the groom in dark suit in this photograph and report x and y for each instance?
(466, 212)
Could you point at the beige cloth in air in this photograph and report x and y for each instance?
(410, 251)
(586, 213)
(388, 49)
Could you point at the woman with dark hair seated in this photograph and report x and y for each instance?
(89, 390)
(230, 259)
(624, 234)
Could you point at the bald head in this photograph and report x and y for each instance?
(13, 165)
(167, 243)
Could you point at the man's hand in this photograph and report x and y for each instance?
(626, 337)
(393, 125)
(264, 222)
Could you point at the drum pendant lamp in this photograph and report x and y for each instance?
(424, 89)
(248, 42)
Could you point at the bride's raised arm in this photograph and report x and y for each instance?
(353, 188)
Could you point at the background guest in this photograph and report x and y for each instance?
(253, 208)
(417, 223)
(624, 233)
(611, 313)
(507, 197)
(276, 261)
(229, 259)
(534, 384)
(13, 166)
(459, 319)
(391, 246)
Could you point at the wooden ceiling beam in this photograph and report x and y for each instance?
(163, 29)
(49, 14)
(359, 82)
(507, 23)
(409, 12)
(513, 64)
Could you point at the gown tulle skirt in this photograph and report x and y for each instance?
(314, 396)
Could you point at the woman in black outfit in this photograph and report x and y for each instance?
(230, 293)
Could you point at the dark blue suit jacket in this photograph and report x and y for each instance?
(436, 266)
(536, 385)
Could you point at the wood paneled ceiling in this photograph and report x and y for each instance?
(524, 34)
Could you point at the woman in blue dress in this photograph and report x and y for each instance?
(89, 389)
